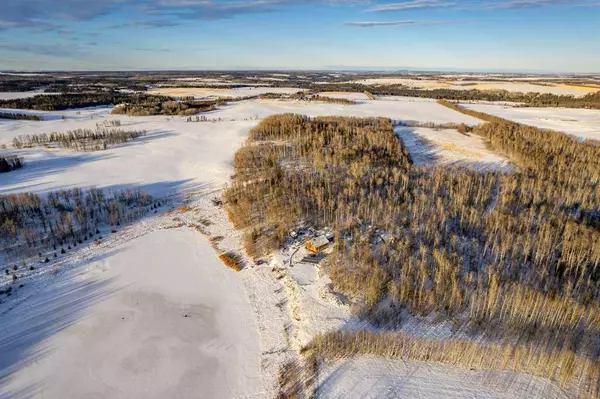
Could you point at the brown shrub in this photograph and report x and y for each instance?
(232, 260)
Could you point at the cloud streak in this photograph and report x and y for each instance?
(45, 15)
(476, 5)
(372, 24)
(412, 5)
(146, 24)
(521, 4)
(55, 50)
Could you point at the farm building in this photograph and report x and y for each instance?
(317, 244)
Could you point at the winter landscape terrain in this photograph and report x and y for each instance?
(173, 280)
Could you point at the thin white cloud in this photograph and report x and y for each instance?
(519, 4)
(54, 50)
(413, 5)
(146, 24)
(371, 24)
(478, 5)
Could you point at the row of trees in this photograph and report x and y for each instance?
(158, 105)
(518, 253)
(31, 223)
(57, 102)
(80, 139)
(319, 98)
(10, 163)
(142, 104)
(26, 117)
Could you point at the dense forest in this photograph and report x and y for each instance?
(514, 255)
(10, 163)
(17, 116)
(76, 82)
(128, 104)
(58, 102)
(14, 83)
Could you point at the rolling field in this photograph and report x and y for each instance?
(153, 303)
(582, 123)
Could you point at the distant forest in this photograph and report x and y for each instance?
(591, 100)
(76, 90)
(125, 104)
(58, 102)
(144, 104)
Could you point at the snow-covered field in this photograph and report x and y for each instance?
(523, 87)
(347, 96)
(372, 378)
(582, 123)
(209, 92)
(175, 154)
(159, 317)
(449, 147)
(151, 312)
(11, 95)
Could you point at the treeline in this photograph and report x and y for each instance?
(591, 100)
(185, 106)
(15, 83)
(77, 82)
(312, 96)
(57, 102)
(63, 219)
(516, 254)
(80, 139)
(10, 163)
(158, 105)
(26, 117)
(461, 127)
(332, 100)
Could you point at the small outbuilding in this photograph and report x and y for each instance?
(317, 244)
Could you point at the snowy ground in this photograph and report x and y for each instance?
(370, 378)
(159, 317)
(175, 154)
(207, 92)
(523, 87)
(109, 320)
(346, 95)
(11, 95)
(582, 123)
(449, 147)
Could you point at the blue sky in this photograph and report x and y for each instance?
(500, 35)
